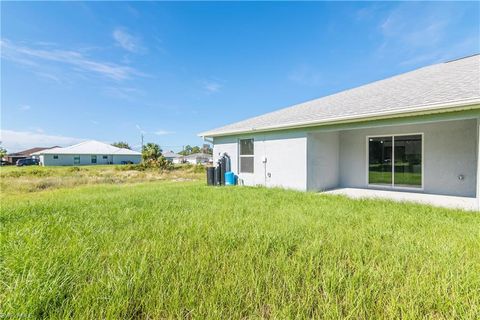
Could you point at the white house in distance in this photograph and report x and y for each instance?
(198, 158)
(88, 153)
(416, 134)
(173, 157)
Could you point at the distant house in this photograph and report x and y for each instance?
(13, 157)
(87, 153)
(198, 158)
(173, 157)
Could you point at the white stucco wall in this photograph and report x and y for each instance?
(68, 159)
(450, 150)
(318, 159)
(285, 154)
(322, 161)
(478, 163)
(117, 159)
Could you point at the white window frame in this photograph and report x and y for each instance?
(392, 186)
(245, 156)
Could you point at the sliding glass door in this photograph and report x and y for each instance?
(395, 161)
(380, 160)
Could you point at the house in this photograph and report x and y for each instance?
(198, 158)
(87, 153)
(415, 133)
(13, 157)
(173, 157)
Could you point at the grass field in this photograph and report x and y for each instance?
(15, 180)
(179, 249)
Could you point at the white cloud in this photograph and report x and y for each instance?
(456, 50)
(15, 141)
(124, 93)
(49, 76)
(305, 75)
(212, 86)
(25, 107)
(128, 41)
(419, 33)
(75, 59)
(163, 132)
(413, 26)
(422, 30)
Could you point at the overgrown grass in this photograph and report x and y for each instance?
(18, 180)
(184, 250)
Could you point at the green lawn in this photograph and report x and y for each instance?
(183, 250)
(412, 179)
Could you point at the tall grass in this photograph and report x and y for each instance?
(184, 250)
(14, 180)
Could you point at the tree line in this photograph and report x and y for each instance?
(152, 153)
(187, 150)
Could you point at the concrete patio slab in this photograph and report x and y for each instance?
(451, 202)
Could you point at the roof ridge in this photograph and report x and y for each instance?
(465, 57)
(337, 92)
(433, 85)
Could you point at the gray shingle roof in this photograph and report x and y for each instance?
(433, 87)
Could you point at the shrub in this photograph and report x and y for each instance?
(39, 172)
(198, 168)
(130, 167)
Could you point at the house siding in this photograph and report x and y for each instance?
(318, 159)
(449, 151)
(68, 159)
(323, 161)
(285, 153)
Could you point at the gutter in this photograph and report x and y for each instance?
(461, 105)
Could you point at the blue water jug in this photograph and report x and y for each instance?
(229, 178)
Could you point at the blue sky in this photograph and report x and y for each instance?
(109, 71)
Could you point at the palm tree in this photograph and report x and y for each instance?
(121, 144)
(151, 152)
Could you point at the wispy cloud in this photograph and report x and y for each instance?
(140, 129)
(25, 107)
(48, 76)
(455, 50)
(127, 41)
(418, 30)
(212, 86)
(163, 132)
(123, 93)
(420, 33)
(20, 140)
(366, 13)
(423, 30)
(305, 75)
(75, 59)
